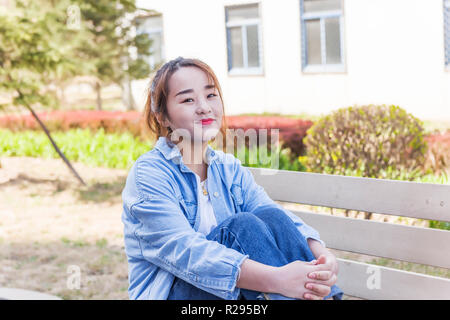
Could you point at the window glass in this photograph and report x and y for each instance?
(252, 46)
(313, 42)
(236, 47)
(333, 40)
(242, 13)
(321, 5)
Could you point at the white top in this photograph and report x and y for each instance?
(206, 211)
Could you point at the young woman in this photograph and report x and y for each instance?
(196, 224)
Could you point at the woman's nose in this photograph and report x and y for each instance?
(203, 106)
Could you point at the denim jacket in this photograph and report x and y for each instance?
(161, 221)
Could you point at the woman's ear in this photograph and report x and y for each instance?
(163, 122)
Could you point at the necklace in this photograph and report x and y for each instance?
(205, 192)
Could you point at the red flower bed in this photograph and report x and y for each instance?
(111, 121)
(291, 131)
(438, 152)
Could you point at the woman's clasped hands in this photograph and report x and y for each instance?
(308, 280)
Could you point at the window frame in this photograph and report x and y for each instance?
(150, 31)
(243, 24)
(321, 16)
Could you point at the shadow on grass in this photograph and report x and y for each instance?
(24, 179)
(102, 191)
(94, 191)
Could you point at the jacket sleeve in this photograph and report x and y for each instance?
(254, 195)
(167, 240)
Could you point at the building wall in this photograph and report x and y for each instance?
(393, 52)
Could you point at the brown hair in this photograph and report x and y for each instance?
(156, 104)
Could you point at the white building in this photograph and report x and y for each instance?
(311, 56)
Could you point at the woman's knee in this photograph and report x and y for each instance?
(272, 214)
(279, 223)
(245, 220)
(248, 234)
(243, 225)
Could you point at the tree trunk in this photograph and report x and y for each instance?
(98, 89)
(67, 162)
(127, 95)
(131, 103)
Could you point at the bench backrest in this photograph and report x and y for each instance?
(381, 239)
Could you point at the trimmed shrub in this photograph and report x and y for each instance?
(370, 141)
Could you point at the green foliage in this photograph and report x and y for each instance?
(444, 225)
(30, 56)
(280, 160)
(96, 149)
(39, 47)
(369, 141)
(110, 39)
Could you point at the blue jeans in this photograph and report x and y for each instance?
(268, 236)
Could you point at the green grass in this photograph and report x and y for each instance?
(74, 243)
(279, 159)
(437, 179)
(412, 267)
(98, 149)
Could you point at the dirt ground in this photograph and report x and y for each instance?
(54, 232)
(51, 227)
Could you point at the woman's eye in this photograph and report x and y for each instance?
(186, 100)
(212, 94)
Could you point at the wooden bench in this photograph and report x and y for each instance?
(381, 239)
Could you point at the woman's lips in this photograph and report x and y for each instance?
(206, 122)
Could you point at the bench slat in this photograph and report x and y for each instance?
(356, 279)
(382, 239)
(392, 197)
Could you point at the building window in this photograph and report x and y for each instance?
(322, 35)
(447, 32)
(243, 39)
(153, 27)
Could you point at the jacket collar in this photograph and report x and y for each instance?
(174, 153)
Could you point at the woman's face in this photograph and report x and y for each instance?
(191, 99)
